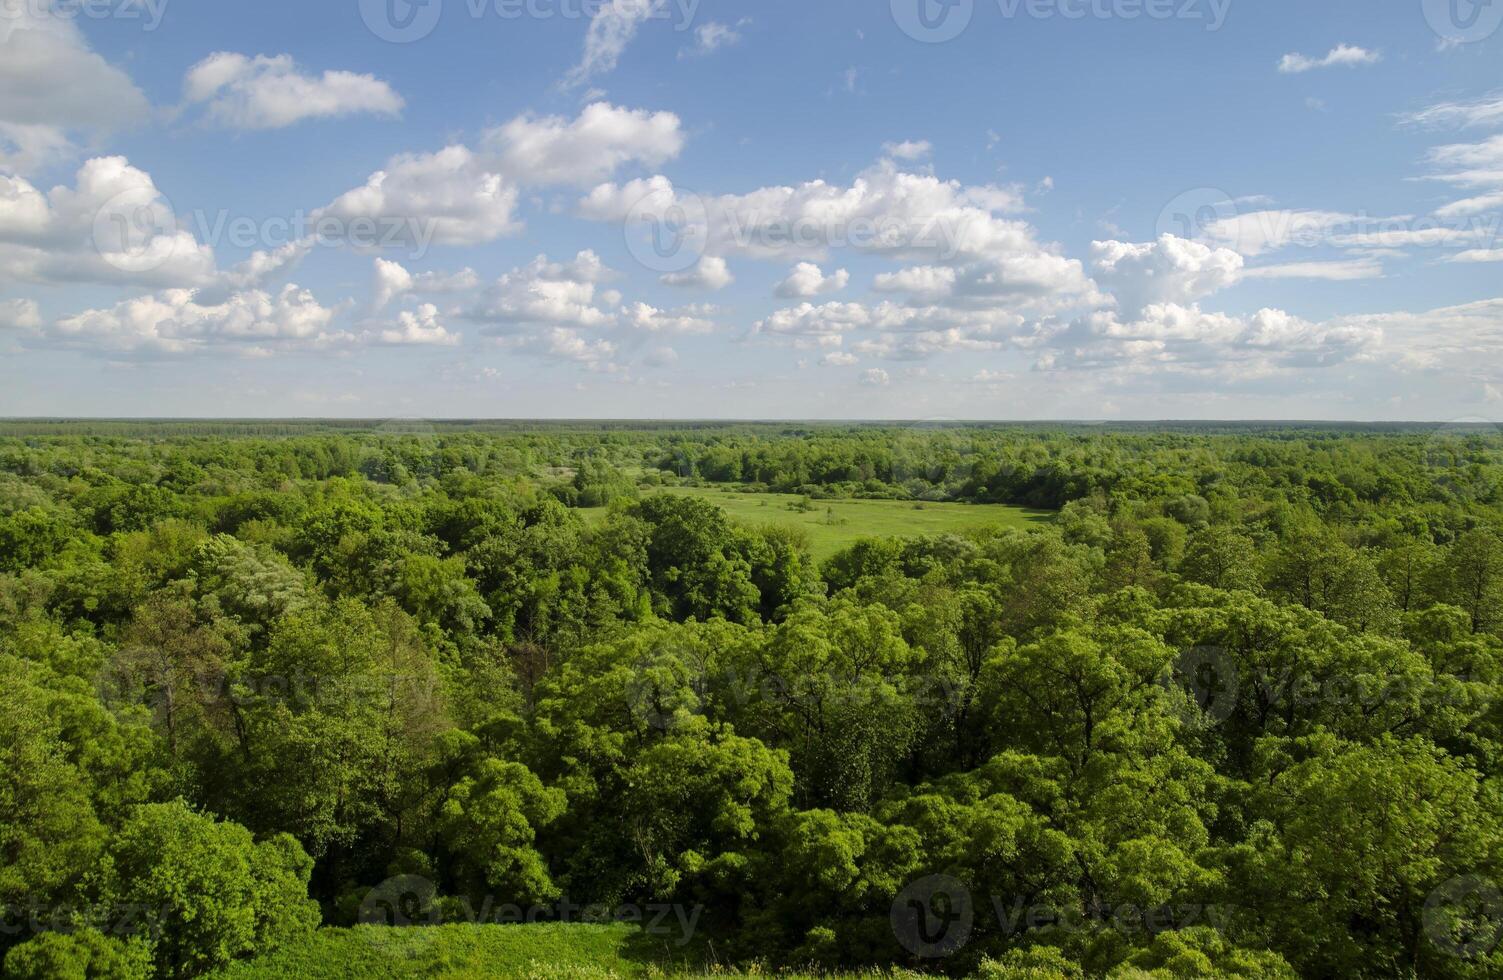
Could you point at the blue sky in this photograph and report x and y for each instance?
(892, 209)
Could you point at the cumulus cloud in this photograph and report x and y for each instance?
(807, 279)
(980, 273)
(392, 280)
(112, 226)
(1170, 338)
(563, 344)
(1169, 270)
(175, 322)
(461, 196)
(640, 316)
(451, 197)
(20, 314)
(1343, 55)
(908, 149)
(542, 150)
(270, 92)
(829, 320)
(994, 261)
(874, 378)
(710, 272)
(542, 292)
(922, 281)
(53, 85)
(420, 328)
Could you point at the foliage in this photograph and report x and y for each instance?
(1232, 712)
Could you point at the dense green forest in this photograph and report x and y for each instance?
(1233, 712)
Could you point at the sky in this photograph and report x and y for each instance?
(885, 209)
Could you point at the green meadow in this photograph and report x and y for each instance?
(836, 524)
(544, 951)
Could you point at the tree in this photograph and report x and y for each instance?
(490, 819)
(206, 892)
(1473, 571)
(1220, 558)
(84, 954)
(1373, 831)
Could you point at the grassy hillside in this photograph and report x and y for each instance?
(546, 951)
(836, 524)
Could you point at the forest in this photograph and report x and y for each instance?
(1232, 711)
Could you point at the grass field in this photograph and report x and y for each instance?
(836, 524)
(547, 951)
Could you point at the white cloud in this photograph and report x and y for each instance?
(640, 316)
(710, 272)
(542, 150)
(884, 212)
(1169, 339)
(113, 226)
(874, 378)
(908, 149)
(391, 280)
(922, 281)
(549, 293)
(1477, 166)
(563, 344)
(1338, 270)
(1344, 55)
(174, 322)
(921, 344)
(459, 196)
(807, 279)
(446, 282)
(1255, 232)
(807, 320)
(839, 358)
(269, 92)
(1170, 270)
(1481, 112)
(20, 314)
(1465, 207)
(1478, 255)
(51, 85)
(414, 329)
(711, 37)
(451, 197)
(611, 29)
(1486, 156)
